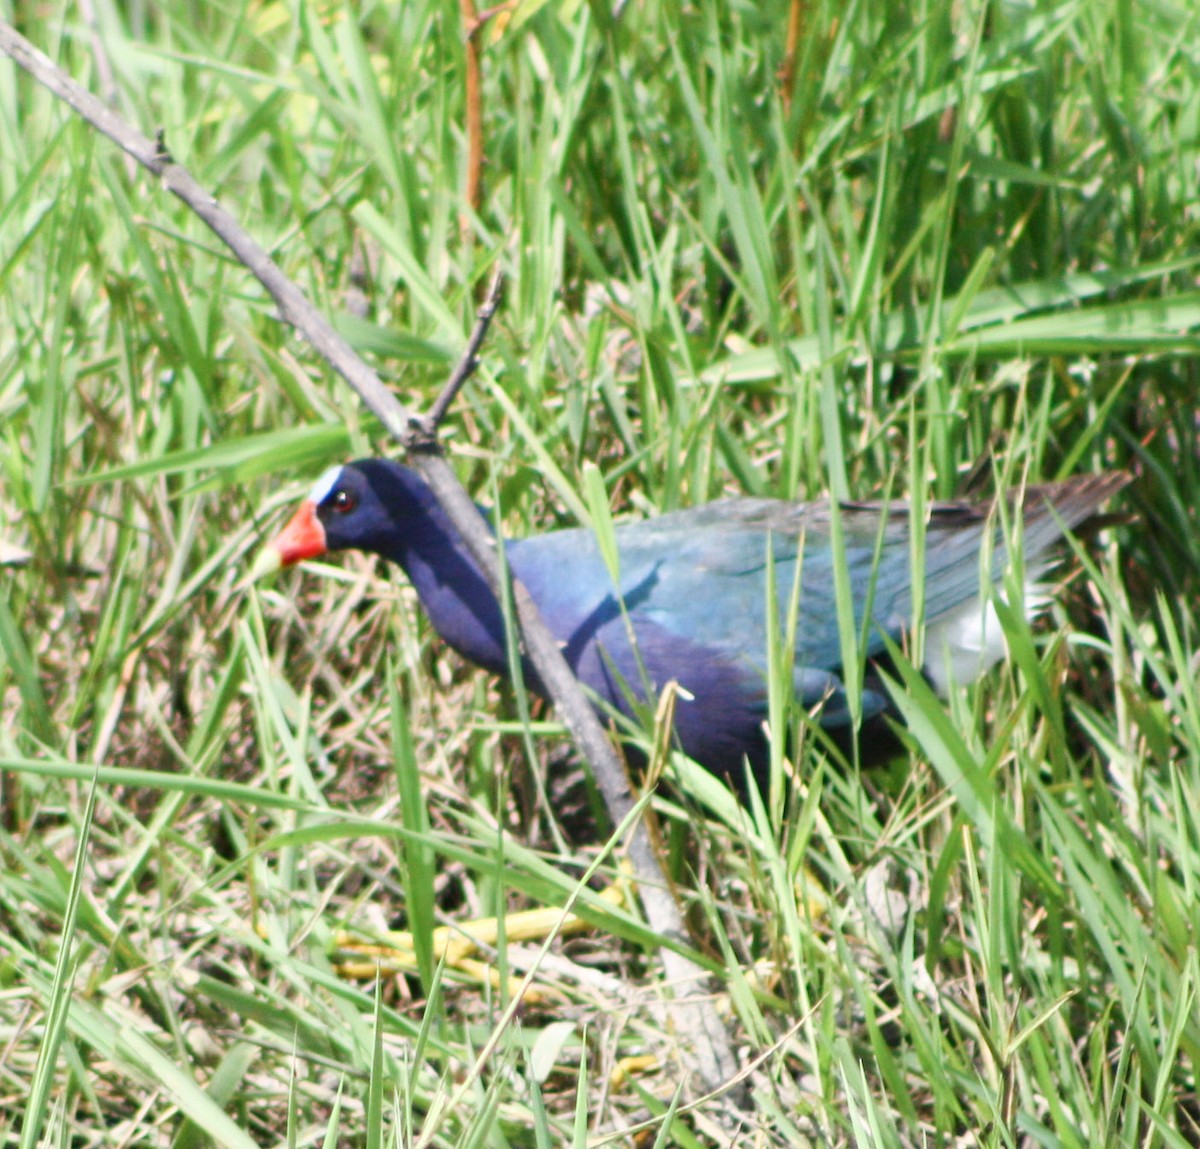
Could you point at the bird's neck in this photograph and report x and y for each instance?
(449, 583)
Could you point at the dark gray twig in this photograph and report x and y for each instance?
(423, 429)
(704, 1039)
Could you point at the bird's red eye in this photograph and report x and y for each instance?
(343, 501)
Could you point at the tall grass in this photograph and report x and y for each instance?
(938, 248)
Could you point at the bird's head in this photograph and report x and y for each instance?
(360, 506)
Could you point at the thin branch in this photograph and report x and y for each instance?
(463, 370)
(473, 118)
(704, 1039)
(787, 70)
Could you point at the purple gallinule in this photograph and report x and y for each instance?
(693, 587)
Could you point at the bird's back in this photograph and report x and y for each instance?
(694, 589)
(703, 573)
